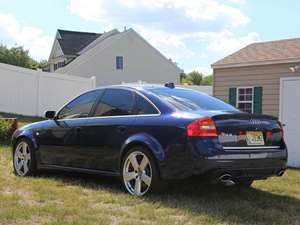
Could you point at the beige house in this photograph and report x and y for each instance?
(250, 78)
(265, 78)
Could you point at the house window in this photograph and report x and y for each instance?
(55, 66)
(245, 99)
(119, 62)
(61, 64)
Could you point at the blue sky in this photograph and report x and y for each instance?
(194, 33)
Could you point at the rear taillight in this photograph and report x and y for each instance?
(204, 127)
(269, 134)
(281, 129)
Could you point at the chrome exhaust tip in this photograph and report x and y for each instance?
(227, 180)
(280, 172)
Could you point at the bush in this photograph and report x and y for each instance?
(7, 127)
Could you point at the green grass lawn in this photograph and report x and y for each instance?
(60, 198)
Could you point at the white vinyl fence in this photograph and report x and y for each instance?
(203, 88)
(29, 92)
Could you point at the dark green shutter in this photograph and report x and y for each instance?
(258, 93)
(232, 96)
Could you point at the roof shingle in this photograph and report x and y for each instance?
(287, 49)
(71, 42)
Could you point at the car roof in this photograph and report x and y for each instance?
(138, 86)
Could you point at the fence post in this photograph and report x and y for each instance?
(37, 93)
(93, 78)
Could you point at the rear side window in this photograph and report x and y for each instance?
(190, 100)
(144, 107)
(115, 102)
(81, 106)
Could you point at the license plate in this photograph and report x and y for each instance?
(255, 138)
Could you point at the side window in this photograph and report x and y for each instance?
(115, 102)
(119, 62)
(81, 106)
(55, 66)
(144, 107)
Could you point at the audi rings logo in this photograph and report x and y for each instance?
(255, 122)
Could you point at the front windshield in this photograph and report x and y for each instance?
(191, 100)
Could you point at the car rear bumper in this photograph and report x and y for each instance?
(245, 165)
(239, 164)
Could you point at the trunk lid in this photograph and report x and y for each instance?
(242, 130)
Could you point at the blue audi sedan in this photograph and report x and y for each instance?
(147, 134)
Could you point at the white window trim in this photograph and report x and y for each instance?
(238, 101)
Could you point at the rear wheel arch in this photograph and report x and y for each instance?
(152, 152)
(136, 144)
(147, 141)
(139, 148)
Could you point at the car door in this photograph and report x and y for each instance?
(102, 136)
(60, 143)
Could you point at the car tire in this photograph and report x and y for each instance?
(245, 184)
(139, 172)
(24, 162)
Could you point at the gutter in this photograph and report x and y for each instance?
(255, 63)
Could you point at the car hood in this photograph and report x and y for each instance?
(37, 125)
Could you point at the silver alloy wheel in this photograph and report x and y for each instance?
(22, 158)
(137, 173)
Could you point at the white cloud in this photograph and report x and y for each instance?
(237, 1)
(171, 45)
(31, 38)
(226, 42)
(174, 45)
(196, 11)
(93, 10)
(173, 26)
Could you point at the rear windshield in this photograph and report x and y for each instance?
(190, 100)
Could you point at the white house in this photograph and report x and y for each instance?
(112, 57)
(66, 46)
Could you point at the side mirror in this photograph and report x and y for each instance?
(50, 114)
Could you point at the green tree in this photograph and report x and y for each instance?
(42, 64)
(207, 80)
(19, 57)
(193, 78)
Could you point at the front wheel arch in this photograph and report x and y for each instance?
(33, 163)
(16, 141)
(28, 135)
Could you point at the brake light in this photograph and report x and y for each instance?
(281, 129)
(269, 134)
(204, 127)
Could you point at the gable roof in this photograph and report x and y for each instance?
(262, 53)
(98, 40)
(71, 42)
(107, 39)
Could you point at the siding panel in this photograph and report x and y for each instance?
(267, 77)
